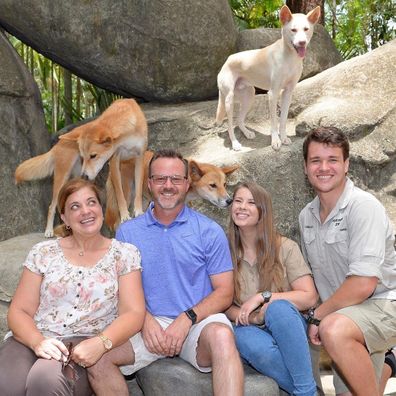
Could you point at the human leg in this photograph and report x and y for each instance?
(288, 328)
(16, 360)
(105, 376)
(389, 369)
(345, 344)
(210, 345)
(371, 324)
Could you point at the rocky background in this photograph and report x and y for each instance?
(144, 51)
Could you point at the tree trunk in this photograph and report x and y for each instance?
(68, 97)
(304, 6)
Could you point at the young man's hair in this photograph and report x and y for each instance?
(331, 136)
(168, 153)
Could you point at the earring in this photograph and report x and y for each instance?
(68, 228)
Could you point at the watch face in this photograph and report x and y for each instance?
(108, 344)
(267, 296)
(191, 315)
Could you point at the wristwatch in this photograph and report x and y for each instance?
(191, 315)
(266, 296)
(106, 341)
(311, 317)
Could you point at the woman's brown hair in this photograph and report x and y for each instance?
(68, 189)
(267, 243)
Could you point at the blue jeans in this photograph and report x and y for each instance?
(280, 350)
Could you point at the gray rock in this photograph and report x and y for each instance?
(23, 135)
(164, 51)
(173, 376)
(13, 253)
(321, 55)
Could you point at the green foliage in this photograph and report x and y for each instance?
(360, 25)
(251, 14)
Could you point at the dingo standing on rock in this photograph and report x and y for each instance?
(119, 133)
(274, 68)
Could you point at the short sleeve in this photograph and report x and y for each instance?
(293, 260)
(37, 259)
(128, 258)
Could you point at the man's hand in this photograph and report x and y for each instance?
(176, 333)
(154, 336)
(313, 334)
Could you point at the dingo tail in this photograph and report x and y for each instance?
(35, 168)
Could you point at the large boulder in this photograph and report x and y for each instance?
(23, 135)
(164, 51)
(321, 55)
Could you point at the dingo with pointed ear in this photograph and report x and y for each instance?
(207, 182)
(276, 68)
(119, 133)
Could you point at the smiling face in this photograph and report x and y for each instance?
(326, 168)
(168, 197)
(83, 212)
(244, 211)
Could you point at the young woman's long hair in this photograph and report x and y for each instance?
(267, 242)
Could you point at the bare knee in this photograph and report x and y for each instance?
(220, 338)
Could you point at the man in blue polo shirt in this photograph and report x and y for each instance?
(187, 280)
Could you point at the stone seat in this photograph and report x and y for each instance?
(174, 376)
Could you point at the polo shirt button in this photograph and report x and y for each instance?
(165, 229)
(77, 295)
(64, 325)
(80, 272)
(78, 284)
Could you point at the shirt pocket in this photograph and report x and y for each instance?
(337, 242)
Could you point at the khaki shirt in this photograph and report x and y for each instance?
(293, 263)
(357, 238)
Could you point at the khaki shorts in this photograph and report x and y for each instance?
(376, 318)
(188, 352)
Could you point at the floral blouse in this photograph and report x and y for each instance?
(77, 300)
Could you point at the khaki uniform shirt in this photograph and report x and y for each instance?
(357, 238)
(293, 264)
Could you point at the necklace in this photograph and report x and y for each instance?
(81, 253)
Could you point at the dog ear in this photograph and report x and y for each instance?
(229, 169)
(105, 140)
(194, 170)
(73, 135)
(314, 15)
(285, 15)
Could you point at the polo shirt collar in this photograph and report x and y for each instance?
(182, 217)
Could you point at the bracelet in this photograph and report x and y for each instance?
(311, 319)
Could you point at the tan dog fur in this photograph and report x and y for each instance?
(276, 68)
(206, 182)
(119, 133)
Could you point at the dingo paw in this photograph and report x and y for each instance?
(125, 217)
(276, 143)
(137, 212)
(49, 233)
(286, 141)
(236, 145)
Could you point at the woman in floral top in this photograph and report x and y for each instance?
(272, 284)
(78, 302)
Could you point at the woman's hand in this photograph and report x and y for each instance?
(88, 351)
(51, 348)
(247, 308)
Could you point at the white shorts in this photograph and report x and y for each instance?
(188, 352)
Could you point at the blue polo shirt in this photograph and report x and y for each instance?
(177, 259)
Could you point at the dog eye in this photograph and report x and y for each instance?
(305, 29)
(92, 156)
(212, 185)
(294, 30)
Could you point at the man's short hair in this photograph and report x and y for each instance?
(327, 135)
(168, 153)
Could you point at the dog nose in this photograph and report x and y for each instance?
(302, 43)
(229, 201)
(84, 176)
